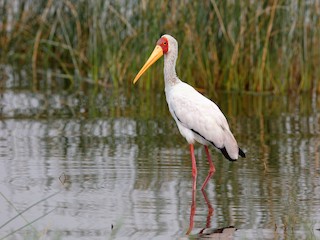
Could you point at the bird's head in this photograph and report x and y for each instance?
(165, 45)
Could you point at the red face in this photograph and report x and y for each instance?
(163, 43)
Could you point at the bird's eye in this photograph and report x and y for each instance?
(165, 43)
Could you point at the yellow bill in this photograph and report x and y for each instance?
(155, 55)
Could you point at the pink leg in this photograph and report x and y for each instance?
(192, 212)
(210, 209)
(211, 170)
(194, 168)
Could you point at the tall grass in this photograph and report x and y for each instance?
(235, 45)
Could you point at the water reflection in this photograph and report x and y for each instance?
(207, 232)
(193, 211)
(127, 166)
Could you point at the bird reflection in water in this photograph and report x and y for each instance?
(225, 233)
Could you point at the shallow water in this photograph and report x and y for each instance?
(112, 165)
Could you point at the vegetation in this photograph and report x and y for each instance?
(234, 45)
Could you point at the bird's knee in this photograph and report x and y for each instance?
(194, 172)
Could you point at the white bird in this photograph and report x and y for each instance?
(198, 118)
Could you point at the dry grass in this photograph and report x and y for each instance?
(242, 45)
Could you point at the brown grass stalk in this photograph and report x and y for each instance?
(37, 42)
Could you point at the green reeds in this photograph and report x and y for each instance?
(234, 45)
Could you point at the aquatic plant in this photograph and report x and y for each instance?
(232, 45)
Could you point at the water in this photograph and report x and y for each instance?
(112, 165)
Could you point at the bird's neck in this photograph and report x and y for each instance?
(170, 75)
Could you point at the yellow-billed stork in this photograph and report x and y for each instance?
(198, 118)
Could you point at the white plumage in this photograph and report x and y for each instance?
(198, 118)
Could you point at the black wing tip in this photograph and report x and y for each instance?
(241, 153)
(227, 156)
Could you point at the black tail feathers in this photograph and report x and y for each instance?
(241, 153)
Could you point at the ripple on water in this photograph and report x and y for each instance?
(135, 175)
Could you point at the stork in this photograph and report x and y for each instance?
(198, 118)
